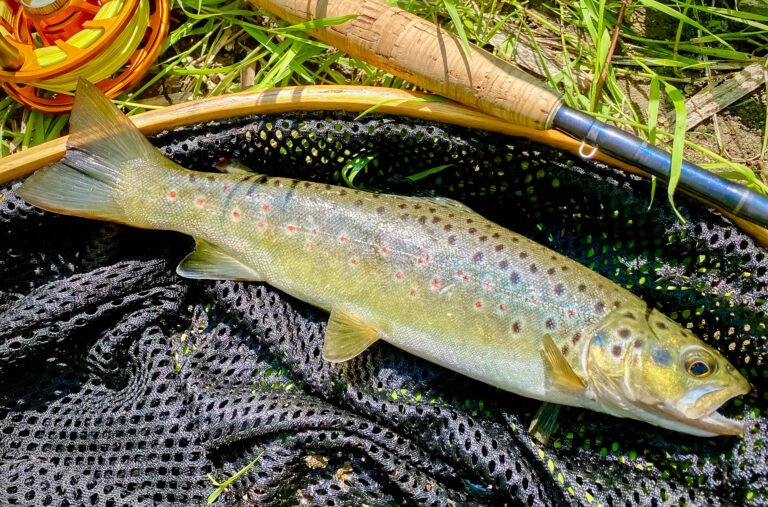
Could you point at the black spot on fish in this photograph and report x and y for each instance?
(478, 257)
(516, 327)
(358, 202)
(599, 306)
(551, 271)
(472, 230)
(342, 193)
(564, 268)
(210, 178)
(576, 338)
(192, 178)
(523, 255)
(469, 220)
(616, 350)
(431, 210)
(422, 220)
(452, 240)
(417, 206)
(533, 268)
(404, 217)
(307, 184)
(624, 332)
(380, 210)
(630, 316)
(402, 206)
(559, 289)
(495, 235)
(564, 350)
(515, 240)
(638, 343)
(262, 179)
(582, 287)
(483, 238)
(661, 357)
(245, 178)
(550, 323)
(616, 304)
(661, 325)
(277, 183)
(375, 196)
(514, 277)
(435, 220)
(499, 248)
(503, 264)
(448, 227)
(327, 186)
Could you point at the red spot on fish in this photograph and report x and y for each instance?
(478, 304)
(429, 258)
(460, 272)
(571, 313)
(200, 201)
(466, 277)
(384, 249)
(413, 292)
(226, 188)
(435, 283)
(487, 283)
(172, 194)
(420, 260)
(261, 224)
(502, 307)
(343, 238)
(236, 214)
(265, 207)
(353, 261)
(534, 301)
(291, 228)
(314, 231)
(309, 245)
(399, 276)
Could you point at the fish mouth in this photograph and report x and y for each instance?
(708, 422)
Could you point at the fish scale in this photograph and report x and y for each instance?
(428, 275)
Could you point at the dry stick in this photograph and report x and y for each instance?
(609, 57)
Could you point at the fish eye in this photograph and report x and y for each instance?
(699, 369)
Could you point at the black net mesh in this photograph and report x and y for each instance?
(123, 384)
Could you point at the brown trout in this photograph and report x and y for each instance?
(427, 275)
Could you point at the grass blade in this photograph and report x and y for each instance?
(678, 143)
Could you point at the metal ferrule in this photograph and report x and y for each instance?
(730, 196)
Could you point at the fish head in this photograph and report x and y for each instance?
(642, 364)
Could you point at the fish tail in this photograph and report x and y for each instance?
(89, 180)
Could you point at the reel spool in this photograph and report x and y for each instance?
(46, 45)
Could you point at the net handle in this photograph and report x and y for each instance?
(424, 54)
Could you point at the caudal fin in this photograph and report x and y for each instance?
(102, 143)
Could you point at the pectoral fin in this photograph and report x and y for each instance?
(209, 262)
(544, 422)
(346, 336)
(558, 368)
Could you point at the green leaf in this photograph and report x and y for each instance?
(450, 6)
(654, 4)
(678, 143)
(222, 486)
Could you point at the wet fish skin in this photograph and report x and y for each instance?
(427, 275)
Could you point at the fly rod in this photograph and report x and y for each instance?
(424, 54)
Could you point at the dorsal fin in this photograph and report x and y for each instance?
(209, 262)
(346, 336)
(559, 369)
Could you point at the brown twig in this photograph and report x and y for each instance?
(611, 50)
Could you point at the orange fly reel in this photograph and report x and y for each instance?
(46, 45)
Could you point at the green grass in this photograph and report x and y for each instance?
(218, 46)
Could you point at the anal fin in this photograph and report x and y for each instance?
(558, 368)
(209, 262)
(346, 336)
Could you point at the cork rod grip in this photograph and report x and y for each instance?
(426, 55)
